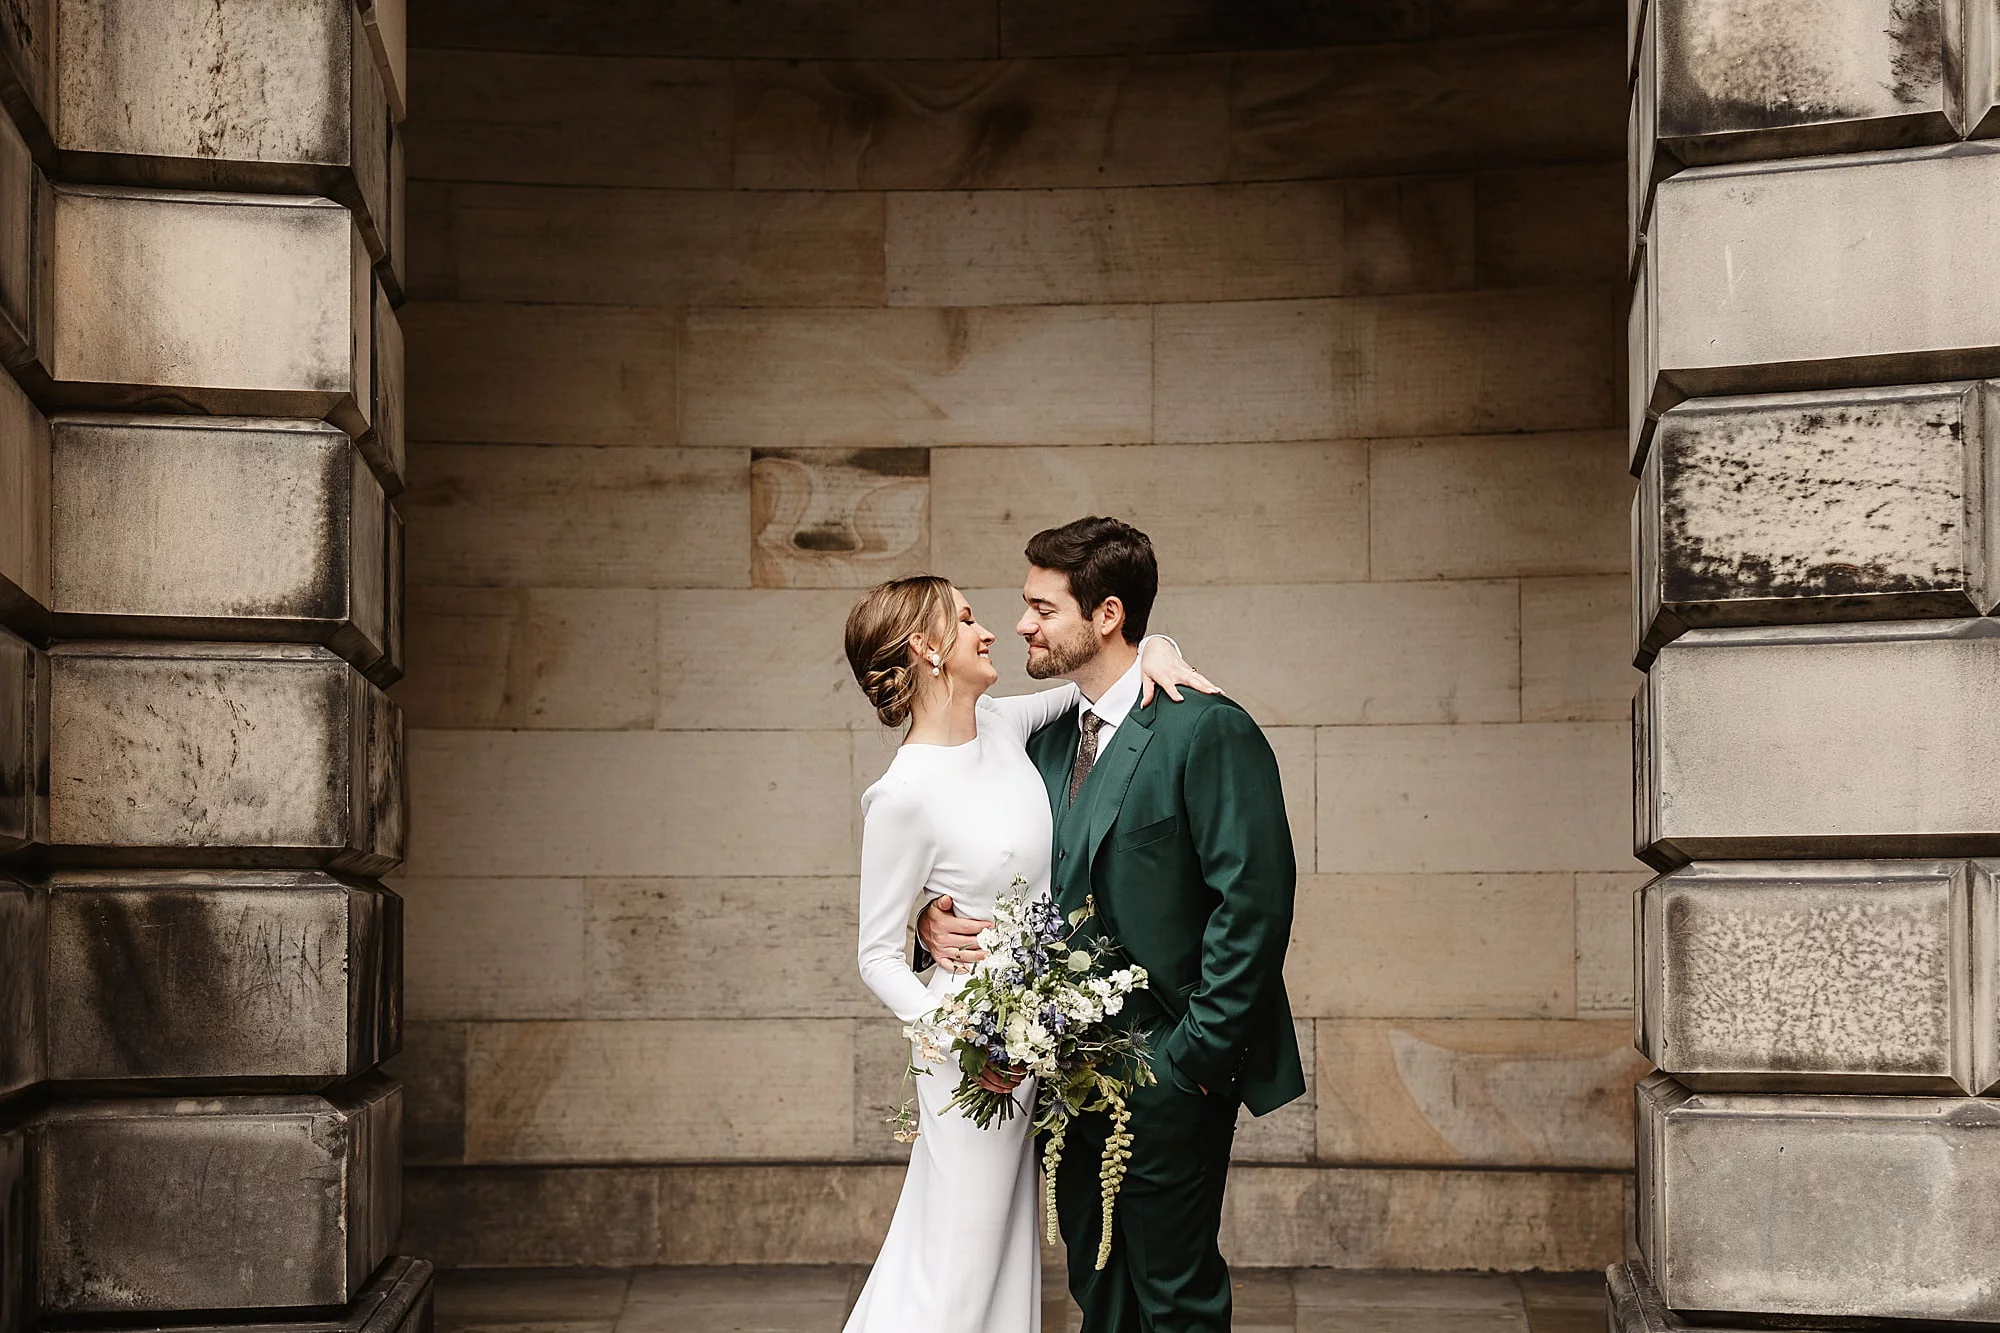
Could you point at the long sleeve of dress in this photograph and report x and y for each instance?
(1026, 714)
(897, 853)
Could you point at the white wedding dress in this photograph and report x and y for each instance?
(962, 1253)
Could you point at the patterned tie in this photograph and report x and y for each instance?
(1086, 753)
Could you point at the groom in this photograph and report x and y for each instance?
(1169, 815)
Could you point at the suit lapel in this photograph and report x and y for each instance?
(1055, 751)
(1111, 776)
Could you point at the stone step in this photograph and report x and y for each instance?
(399, 1299)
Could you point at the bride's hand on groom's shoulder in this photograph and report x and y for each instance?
(952, 940)
(1162, 667)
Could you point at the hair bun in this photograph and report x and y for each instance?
(879, 629)
(888, 690)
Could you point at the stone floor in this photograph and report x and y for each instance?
(816, 1300)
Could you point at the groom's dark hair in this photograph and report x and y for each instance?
(1102, 558)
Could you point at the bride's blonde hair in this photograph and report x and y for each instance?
(878, 640)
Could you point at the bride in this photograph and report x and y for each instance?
(962, 812)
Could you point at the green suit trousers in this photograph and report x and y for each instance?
(1165, 1274)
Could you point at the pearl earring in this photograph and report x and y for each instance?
(937, 668)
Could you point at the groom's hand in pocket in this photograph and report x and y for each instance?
(952, 940)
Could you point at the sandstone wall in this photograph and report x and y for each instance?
(715, 322)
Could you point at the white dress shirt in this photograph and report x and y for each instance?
(1112, 706)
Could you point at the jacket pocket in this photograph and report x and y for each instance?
(1146, 833)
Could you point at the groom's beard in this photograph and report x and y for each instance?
(1064, 655)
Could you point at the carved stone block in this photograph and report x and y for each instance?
(274, 979)
(286, 98)
(24, 743)
(838, 518)
(24, 912)
(227, 1203)
(1847, 976)
(233, 304)
(1767, 79)
(1805, 741)
(1832, 506)
(1828, 1207)
(1821, 273)
(219, 528)
(213, 754)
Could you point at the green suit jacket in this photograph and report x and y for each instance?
(1179, 833)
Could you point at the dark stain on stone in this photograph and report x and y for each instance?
(23, 932)
(176, 982)
(1918, 66)
(20, 775)
(157, 974)
(15, 15)
(995, 132)
(1743, 454)
(892, 462)
(827, 538)
(1694, 577)
(16, 1235)
(1772, 83)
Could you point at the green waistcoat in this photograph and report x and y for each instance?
(1179, 835)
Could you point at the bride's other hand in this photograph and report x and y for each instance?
(952, 940)
(1162, 666)
(1000, 1078)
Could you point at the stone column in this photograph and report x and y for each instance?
(200, 589)
(1816, 225)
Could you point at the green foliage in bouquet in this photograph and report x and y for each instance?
(1040, 1004)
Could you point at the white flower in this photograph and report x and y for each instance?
(1121, 980)
(1099, 987)
(1113, 1005)
(989, 938)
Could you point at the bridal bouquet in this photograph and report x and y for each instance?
(1039, 1004)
